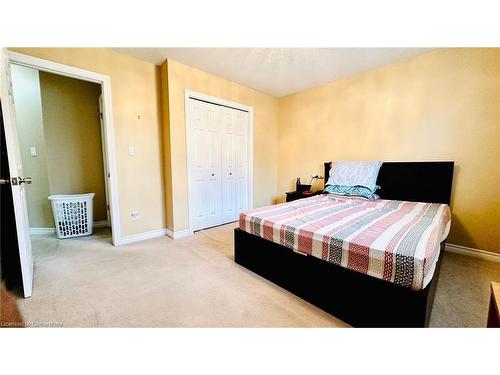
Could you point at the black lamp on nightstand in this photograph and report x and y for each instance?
(302, 190)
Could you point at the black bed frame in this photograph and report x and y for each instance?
(357, 299)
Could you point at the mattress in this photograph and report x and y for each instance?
(396, 241)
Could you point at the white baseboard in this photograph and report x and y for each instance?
(42, 230)
(126, 239)
(141, 236)
(97, 224)
(475, 253)
(153, 234)
(179, 233)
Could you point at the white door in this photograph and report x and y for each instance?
(18, 180)
(234, 163)
(204, 149)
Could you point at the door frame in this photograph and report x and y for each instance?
(189, 94)
(110, 154)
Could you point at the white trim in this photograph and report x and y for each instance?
(42, 231)
(196, 95)
(142, 236)
(96, 224)
(250, 158)
(179, 233)
(105, 82)
(56, 68)
(475, 253)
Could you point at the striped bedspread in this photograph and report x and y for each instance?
(397, 241)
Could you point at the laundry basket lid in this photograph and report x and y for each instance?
(62, 197)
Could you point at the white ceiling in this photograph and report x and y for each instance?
(277, 71)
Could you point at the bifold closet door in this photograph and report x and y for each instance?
(205, 167)
(234, 163)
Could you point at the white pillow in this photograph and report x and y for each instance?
(355, 173)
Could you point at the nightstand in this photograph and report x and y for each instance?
(294, 195)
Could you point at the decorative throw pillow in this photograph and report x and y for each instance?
(355, 173)
(358, 191)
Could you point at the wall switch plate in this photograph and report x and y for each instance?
(131, 151)
(33, 151)
(135, 215)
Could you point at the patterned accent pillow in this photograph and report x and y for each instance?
(358, 191)
(355, 173)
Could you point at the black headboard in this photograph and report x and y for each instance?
(427, 181)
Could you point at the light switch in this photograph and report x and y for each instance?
(131, 151)
(33, 151)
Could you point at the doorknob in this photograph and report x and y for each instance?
(4, 181)
(26, 180)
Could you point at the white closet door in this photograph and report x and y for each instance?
(205, 169)
(234, 163)
(228, 165)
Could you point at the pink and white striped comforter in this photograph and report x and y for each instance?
(396, 241)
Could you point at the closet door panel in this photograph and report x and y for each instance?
(228, 161)
(205, 168)
(197, 166)
(213, 199)
(241, 161)
(213, 167)
(234, 148)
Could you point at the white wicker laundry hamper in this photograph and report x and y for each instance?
(73, 214)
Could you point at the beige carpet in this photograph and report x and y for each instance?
(193, 282)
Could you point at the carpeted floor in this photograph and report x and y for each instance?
(193, 282)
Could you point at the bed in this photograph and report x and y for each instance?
(310, 248)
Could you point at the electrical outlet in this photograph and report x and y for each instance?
(131, 151)
(135, 215)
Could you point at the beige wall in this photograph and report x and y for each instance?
(73, 138)
(135, 93)
(265, 134)
(26, 90)
(442, 105)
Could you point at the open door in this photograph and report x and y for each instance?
(17, 178)
(105, 159)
